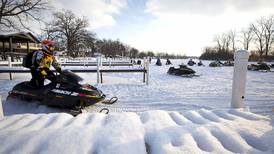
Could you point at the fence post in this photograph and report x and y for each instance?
(85, 61)
(109, 62)
(1, 109)
(144, 67)
(98, 69)
(101, 61)
(10, 65)
(147, 69)
(239, 78)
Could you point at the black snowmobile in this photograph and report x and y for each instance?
(158, 62)
(191, 62)
(216, 63)
(65, 92)
(259, 67)
(183, 71)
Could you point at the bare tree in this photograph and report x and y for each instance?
(247, 36)
(143, 54)
(16, 13)
(134, 52)
(259, 30)
(89, 40)
(150, 54)
(223, 42)
(127, 50)
(268, 33)
(112, 48)
(226, 41)
(106, 47)
(49, 33)
(232, 34)
(217, 38)
(70, 28)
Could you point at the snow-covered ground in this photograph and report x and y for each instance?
(170, 115)
(156, 132)
(212, 90)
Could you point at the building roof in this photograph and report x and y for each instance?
(20, 37)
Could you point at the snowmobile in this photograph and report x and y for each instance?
(228, 63)
(183, 71)
(259, 67)
(65, 92)
(191, 62)
(216, 64)
(200, 63)
(168, 62)
(158, 62)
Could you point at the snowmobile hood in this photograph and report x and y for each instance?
(69, 76)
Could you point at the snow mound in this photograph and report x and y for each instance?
(202, 131)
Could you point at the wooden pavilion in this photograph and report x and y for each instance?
(17, 44)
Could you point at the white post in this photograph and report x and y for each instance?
(1, 109)
(10, 65)
(239, 78)
(101, 60)
(9, 61)
(109, 62)
(98, 69)
(144, 62)
(147, 68)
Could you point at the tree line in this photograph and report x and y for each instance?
(67, 29)
(256, 38)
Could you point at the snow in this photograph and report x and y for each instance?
(170, 115)
(158, 131)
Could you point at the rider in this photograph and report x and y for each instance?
(41, 63)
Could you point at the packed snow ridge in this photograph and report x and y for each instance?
(201, 131)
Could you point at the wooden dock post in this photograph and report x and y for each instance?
(147, 70)
(98, 62)
(10, 65)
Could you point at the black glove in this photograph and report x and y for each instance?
(58, 69)
(51, 76)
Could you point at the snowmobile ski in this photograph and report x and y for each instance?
(190, 75)
(110, 101)
(104, 110)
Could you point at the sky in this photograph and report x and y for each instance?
(171, 26)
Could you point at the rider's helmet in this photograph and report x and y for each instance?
(48, 46)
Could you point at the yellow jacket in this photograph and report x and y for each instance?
(42, 60)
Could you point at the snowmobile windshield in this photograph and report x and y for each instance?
(71, 77)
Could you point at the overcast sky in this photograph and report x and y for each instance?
(173, 26)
